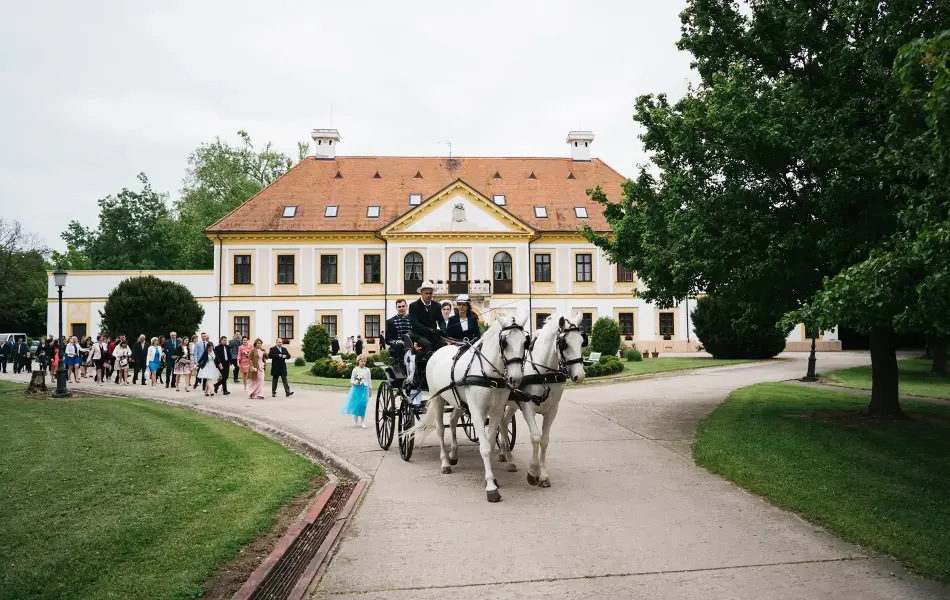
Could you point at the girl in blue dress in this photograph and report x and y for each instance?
(360, 386)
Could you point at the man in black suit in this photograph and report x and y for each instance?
(222, 360)
(278, 356)
(424, 315)
(358, 346)
(22, 357)
(6, 348)
(139, 358)
(171, 345)
(334, 346)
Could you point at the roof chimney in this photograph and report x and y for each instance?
(325, 143)
(580, 142)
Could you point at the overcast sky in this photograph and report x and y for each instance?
(95, 92)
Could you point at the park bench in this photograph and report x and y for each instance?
(594, 357)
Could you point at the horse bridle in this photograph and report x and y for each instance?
(503, 342)
(562, 334)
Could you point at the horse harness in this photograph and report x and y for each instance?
(482, 380)
(549, 375)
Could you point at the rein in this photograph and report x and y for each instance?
(549, 376)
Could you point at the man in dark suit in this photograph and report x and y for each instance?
(6, 348)
(139, 358)
(358, 346)
(424, 315)
(398, 325)
(22, 357)
(278, 356)
(171, 345)
(334, 346)
(222, 360)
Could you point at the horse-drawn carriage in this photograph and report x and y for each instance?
(480, 385)
(399, 402)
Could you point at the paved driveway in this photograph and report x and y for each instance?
(628, 515)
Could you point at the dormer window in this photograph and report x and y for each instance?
(330, 211)
(541, 212)
(580, 212)
(499, 199)
(290, 212)
(415, 199)
(372, 212)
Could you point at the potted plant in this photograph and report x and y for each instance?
(655, 353)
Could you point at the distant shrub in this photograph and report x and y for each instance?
(316, 343)
(605, 336)
(715, 321)
(633, 355)
(300, 362)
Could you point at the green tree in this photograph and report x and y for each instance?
(769, 176)
(316, 343)
(151, 306)
(135, 231)
(605, 336)
(904, 284)
(23, 273)
(220, 177)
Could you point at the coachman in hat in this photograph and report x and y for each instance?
(424, 315)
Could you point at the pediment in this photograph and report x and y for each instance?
(458, 209)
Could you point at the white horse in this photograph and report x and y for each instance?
(490, 366)
(557, 346)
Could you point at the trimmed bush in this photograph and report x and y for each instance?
(726, 330)
(605, 336)
(151, 306)
(607, 365)
(633, 355)
(316, 343)
(377, 374)
(300, 362)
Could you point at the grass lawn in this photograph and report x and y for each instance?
(302, 375)
(105, 498)
(914, 378)
(661, 365)
(878, 482)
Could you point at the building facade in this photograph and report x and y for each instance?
(337, 240)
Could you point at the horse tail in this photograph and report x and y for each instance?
(427, 423)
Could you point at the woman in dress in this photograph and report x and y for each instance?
(244, 360)
(161, 365)
(121, 355)
(154, 360)
(84, 350)
(360, 385)
(73, 359)
(464, 325)
(183, 365)
(257, 363)
(207, 370)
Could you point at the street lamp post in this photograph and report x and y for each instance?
(810, 375)
(59, 278)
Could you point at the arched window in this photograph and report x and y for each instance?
(412, 277)
(458, 267)
(502, 273)
(458, 273)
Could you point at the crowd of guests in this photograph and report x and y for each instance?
(197, 362)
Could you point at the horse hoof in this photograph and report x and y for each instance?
(453, 461)
(446, 470)
(532, 480)
(494, 496)
(545, 483)
(512, 468)
(502, 458)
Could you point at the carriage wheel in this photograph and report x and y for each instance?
(385, 415)
(465, 421)
(406, 419)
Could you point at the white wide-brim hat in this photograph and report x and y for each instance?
(426, 285)
(463, 298)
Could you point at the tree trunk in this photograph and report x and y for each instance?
(885, 401)
(938, 352)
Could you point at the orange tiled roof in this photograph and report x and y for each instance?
(313, 184)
